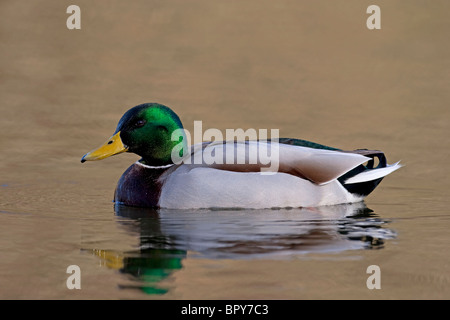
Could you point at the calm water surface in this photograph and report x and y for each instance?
(314, 72)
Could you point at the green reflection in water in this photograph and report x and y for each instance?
(157, 257)
(165, 237)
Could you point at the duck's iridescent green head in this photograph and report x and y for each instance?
(147, 131)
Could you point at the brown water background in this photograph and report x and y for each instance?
(309, 68)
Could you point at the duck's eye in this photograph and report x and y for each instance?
(140, 123)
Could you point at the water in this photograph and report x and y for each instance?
(314, 72)
(168, 237)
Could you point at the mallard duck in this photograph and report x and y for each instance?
(306, 174)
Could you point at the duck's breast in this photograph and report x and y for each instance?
(139, 186)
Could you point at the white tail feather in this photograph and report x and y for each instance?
(373, 174)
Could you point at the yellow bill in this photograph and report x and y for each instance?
(113, 146)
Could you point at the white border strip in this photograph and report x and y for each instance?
(154, 167)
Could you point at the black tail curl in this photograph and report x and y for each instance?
(366, 187)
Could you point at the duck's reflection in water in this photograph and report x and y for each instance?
(166, 236)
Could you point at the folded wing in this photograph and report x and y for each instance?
(316, 165)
